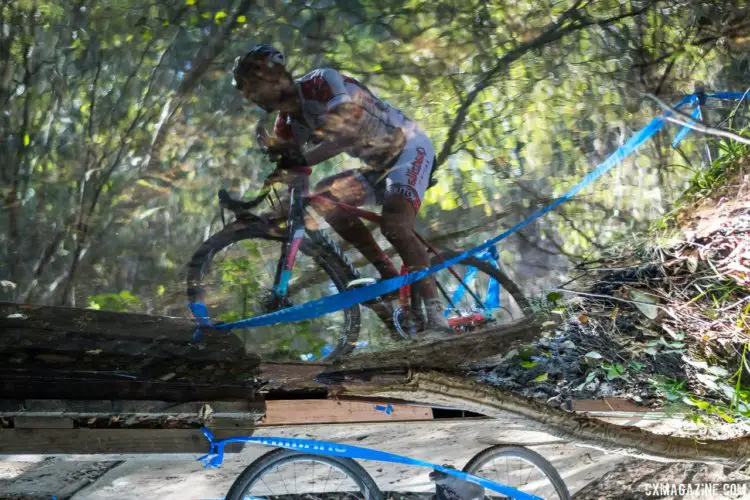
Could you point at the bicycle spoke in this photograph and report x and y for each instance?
(309, 481)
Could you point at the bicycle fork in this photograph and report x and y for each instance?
(296, 233)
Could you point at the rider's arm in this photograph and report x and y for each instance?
(340, 115)
(339, 134)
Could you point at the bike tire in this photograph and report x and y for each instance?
(316, 245)
(538, 461)
(402, 318)
(254, 472)
(482, 265)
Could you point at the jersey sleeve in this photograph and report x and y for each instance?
(327, 87)
(326, 92)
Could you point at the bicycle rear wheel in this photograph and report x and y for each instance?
(233, 274)
(289, 474)
(471, 292)
(519, 468)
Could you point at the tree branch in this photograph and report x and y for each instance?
(687, 121)
(552, 33)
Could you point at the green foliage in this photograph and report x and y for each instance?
(729, 155)
(119, 302)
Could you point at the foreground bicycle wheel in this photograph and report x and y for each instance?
(287, 474)
(233, 274)
(519, 468)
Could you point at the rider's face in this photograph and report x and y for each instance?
(266, 86)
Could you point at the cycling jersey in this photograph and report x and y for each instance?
(385, 138)
(377, 126)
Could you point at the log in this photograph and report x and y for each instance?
(579, 430)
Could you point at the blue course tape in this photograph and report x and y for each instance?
(343, 300)
(215, 458)
(695, 115)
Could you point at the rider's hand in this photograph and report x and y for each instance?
(286, 155)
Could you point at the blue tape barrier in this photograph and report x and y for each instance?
(215, 457)
(349, 298)
(385, 409)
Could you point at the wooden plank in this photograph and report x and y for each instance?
(319, 411)
(24, 422)
(234, 410)
(109, 441)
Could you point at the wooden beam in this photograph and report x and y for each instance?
(108, 323)
(240, 410)
(109, 441)
(16, 341)
(24, 422)
(324, 411)
(65, 385)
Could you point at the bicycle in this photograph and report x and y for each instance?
(285, 473)
(334, 335)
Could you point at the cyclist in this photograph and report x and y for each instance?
(325, 113)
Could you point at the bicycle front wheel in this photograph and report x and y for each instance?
(519, 468)
(289, 474)
(233, 274)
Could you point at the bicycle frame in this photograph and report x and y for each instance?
(299, 197)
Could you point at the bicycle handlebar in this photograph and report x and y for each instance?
(226, 200)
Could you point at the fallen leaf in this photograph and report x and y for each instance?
(541, 378)
(692, 362)
(708, 381)
(646, 303)
(205, 412)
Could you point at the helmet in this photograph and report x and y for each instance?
(261, 51)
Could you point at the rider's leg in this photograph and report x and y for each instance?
(397, 225)
(405, 186)
(350, 188)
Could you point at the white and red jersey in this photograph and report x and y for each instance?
(378, 126)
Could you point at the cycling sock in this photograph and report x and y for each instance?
(436, 313)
